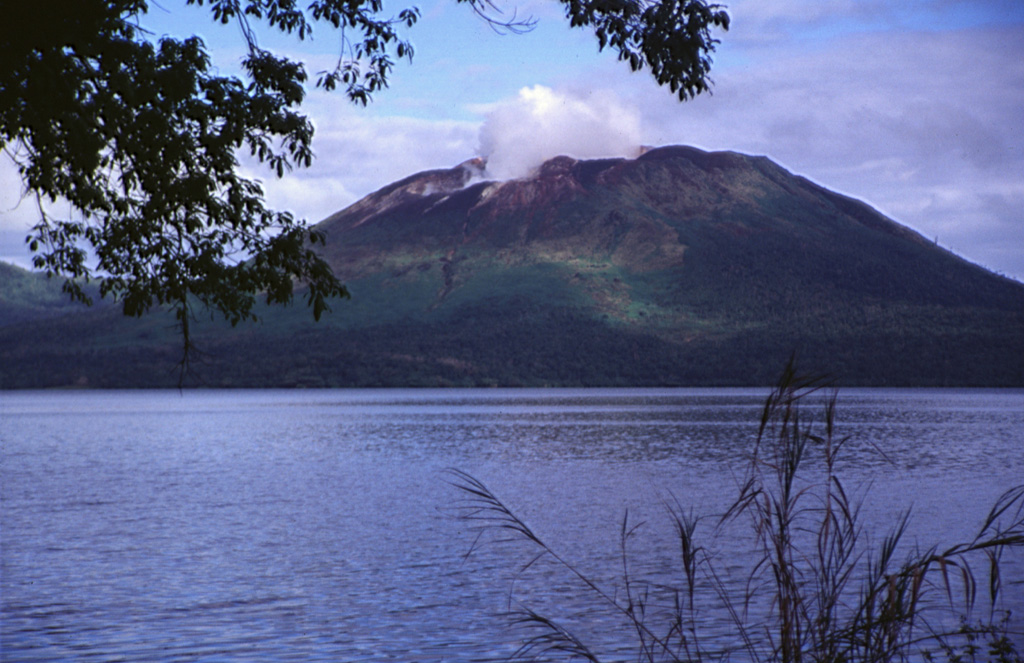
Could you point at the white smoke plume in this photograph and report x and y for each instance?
(540, 123)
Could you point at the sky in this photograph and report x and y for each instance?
(915, 107)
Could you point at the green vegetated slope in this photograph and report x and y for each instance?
(680, 267)
(27, 296)
(46, 340)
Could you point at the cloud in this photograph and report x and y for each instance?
(520, 133)
(915, 108)
(358, 152)
(17, 212)
(787, 14)
(782, 22)
(924, 125)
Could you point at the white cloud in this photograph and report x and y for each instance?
(539, 123)
(357, 153)
(925, 126)
(17, 212)
(796, 12)
(783, 22)
(882, 101)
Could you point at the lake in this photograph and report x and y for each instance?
(322, 526)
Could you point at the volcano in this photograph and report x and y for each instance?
(679, 267)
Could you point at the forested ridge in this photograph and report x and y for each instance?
(677, 268)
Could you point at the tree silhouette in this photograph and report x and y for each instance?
(141, 136)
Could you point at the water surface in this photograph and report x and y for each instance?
(320, 525)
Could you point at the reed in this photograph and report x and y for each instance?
(833, 596)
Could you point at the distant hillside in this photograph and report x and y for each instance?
(27, 296)
(680, 267)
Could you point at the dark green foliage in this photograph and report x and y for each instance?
(140, 137)
(673, 39)
(510, 342)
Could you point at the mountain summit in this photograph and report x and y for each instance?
(679, 267)
(730, 212)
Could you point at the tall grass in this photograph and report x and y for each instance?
(818, 589)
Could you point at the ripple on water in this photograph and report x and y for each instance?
(315, 526)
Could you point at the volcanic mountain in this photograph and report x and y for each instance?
(679, 267)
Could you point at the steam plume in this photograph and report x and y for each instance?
(521, 133)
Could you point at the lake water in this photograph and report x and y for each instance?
(321, 525)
